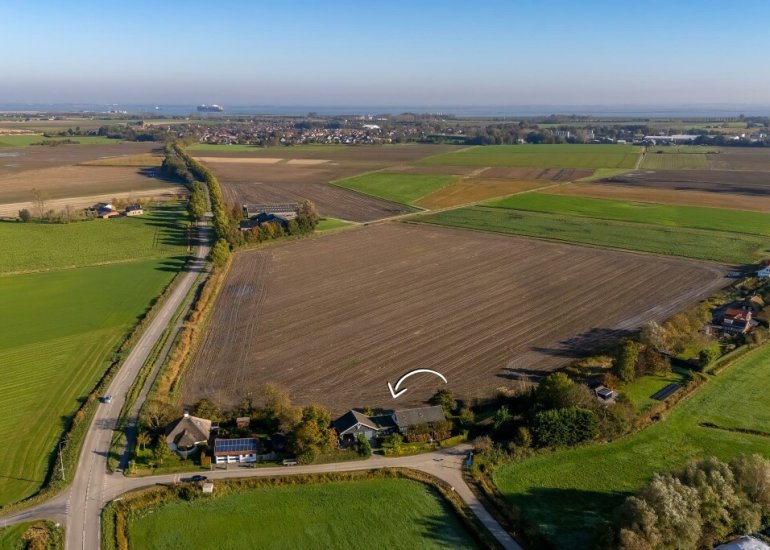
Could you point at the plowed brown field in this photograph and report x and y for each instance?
(335, 318)
(552, 174)
(714, 181)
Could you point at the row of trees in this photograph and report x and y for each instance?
(698, 507)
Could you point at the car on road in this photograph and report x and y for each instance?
(196, 478)
(107, 399)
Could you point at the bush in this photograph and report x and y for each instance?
(362, 446)
(445, 399)
(24, 215)
(220, 253)
(569, 426)
(707, 356)
(625, 362)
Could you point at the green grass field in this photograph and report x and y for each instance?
(541, 156)
(401, 188)
(58, 327)
(373, 513)
(732, 248)
(57, 330)
(17, 141)
(30, 246)
(570, 494)
(695, 217)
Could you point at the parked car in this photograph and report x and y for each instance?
(198, 478)
(107, 399)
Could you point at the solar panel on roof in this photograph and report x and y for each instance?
(235, 445)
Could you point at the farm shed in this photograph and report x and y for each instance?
(185, 433)
(408, 418)
(236, 451)
(134, 210)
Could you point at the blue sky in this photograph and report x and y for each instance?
(386, 52)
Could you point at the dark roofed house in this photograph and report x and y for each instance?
(408, 418)
(353, 423)
(236, 451)
(184, 434)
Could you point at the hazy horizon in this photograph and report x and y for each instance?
(397, 53)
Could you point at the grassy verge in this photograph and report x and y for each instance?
(717, 246)
(42, 535)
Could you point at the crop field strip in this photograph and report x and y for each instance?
(570, 502)
(718, 219)
(397, 187)
(541, 156)
(730, 248)
(334, 319)
(715, 181)
(665, 196)
(37, 157)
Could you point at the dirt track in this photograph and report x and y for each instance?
(335, 318)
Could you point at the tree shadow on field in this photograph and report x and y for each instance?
(176, 264)
(585, 343)
(568, 518)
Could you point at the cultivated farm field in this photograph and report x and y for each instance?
(563, 494)
(291, 174)
(718, 246)
(471, 190)
(388, 513)
(714, 181)
(541, 156)
(334, 319)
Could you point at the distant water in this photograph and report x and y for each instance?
(695, 111)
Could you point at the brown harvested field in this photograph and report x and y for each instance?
(552, 174)
(35, 157)
(335, 318)
(329, 199)
(713, 181)
(472, 190)
(665, 196)
(378, 154)
(741, 158)
(77, 181)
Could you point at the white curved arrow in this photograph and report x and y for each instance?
(394, 391)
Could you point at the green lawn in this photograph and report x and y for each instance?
(641, 389)
(696, 217)
(30, 246)
(541, 156)
(401, 188)
(325, 224)
(57, 330)
(58, 327)
(732, 248)
(571, 493)
(372, 513)
(24, 140)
